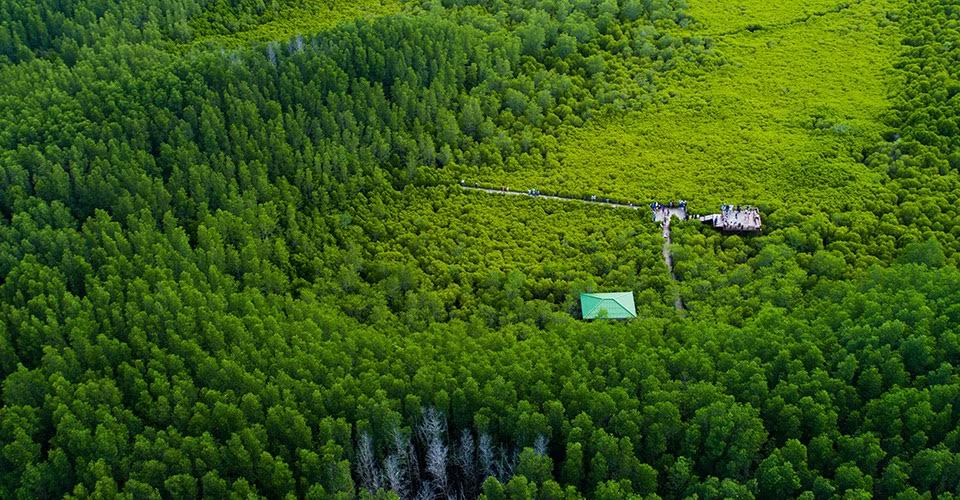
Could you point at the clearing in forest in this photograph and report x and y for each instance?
(787, 118)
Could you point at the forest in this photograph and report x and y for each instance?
(235, 259)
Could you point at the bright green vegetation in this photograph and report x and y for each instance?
(787, 118)
(249, 272)
(303, 18)
(721, 17)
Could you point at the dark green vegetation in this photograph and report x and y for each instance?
(244, 271)
(59, 29)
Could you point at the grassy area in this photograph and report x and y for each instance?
(307, 17)
(786, 119)
(724, 16)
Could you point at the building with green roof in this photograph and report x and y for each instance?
(617, 305)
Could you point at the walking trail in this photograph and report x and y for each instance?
(668, 259)
(663, 215)
(599, 201)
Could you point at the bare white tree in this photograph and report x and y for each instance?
(540, 444)
(437, 464)
(432, 429)
(486, 452)
(466, 461)
(272, 54)
(432, 425)
(296, 45)
(505, 464)
(427, 491)
(396, 475)
(402, 473)
(425, 463)
(367, 465)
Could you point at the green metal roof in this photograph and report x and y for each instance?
(607, 305)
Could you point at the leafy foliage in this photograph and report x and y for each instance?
(235, 272)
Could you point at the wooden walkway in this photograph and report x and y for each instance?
(598, 201)
(664, 214)
(668, 260)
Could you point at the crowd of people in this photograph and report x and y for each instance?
(739, 218)
(663, 212)
(738, 208)
(657, 205)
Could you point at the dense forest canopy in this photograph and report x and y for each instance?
(248, 270)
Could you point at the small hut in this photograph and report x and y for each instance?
(617, 305)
